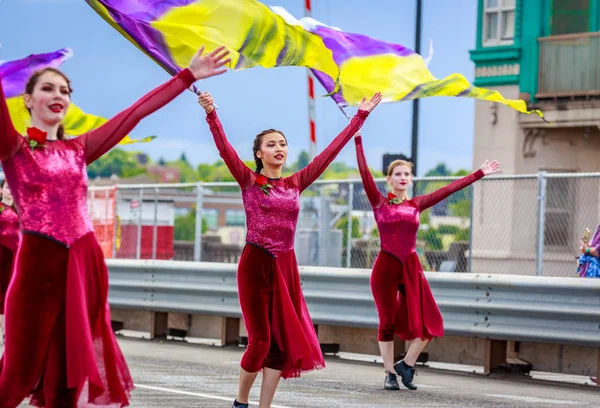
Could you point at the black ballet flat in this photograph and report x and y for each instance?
(391, 382)
(406, 373)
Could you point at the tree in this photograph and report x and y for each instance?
(440, 170)
(117, 161)
(458, 204)
(462, 235)
(183, 158)
(461, 208)
(342, 225)
(185, 226)
(187, 173)
(217, 171)
(432, 239)
(302, 162)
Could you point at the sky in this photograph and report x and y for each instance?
(109, 74)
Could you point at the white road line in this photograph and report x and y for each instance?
(534, 399)
(198, 394)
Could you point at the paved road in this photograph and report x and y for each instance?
(174, 374)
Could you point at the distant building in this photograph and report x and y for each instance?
(547, 53)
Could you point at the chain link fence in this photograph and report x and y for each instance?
(521, 224)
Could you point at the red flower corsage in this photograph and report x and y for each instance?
(263, 183)
(36, 137)
(392, 199)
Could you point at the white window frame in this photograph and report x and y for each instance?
(497, 10)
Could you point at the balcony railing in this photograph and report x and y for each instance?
(569, 66)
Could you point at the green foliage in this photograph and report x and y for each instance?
(463, 234)
(187, 173)
(117, 161)
(461, 208)
(425, 218)
(448, 229)
(440, 170)
(214, 172)
(432, 239)
(185, 226)
(302, 162)
(124, 164)
(339, 170)
(342, 224)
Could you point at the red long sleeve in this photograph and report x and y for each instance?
(101, 140)
(373, 194)
(10, 139)
(241, 173)
(429, 200)
(310, 173)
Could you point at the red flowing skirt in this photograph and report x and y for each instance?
(404, 300)
(7, 257)
(281, 334)
(59, 342)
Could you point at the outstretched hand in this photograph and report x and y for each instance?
(371, 104)
(206, 101)
(206, 66)
(490, 167)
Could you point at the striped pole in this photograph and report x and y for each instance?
(311, 98)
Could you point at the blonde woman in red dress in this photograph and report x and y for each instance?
(404, 301)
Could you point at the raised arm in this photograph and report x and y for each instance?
(373, 194)
(101, 140)
(429, 200)
(10, 139)
(241, 173)
(310, 173)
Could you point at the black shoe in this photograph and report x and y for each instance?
(236, 404)
(406, 373)
(391, 382)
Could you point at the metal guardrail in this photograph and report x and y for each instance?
(498, 307)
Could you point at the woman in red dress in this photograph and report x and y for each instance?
(10, 237)
(281, 337)
(402, 295)
(60, 348)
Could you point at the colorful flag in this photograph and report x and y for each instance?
(350, 66)
(14, 76)
(170, 32)
(368, 66)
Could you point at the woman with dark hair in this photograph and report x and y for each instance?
(59, 346)
(10, 237)
(281, 337)
(404, 301)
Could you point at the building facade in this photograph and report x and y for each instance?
(546, 52)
